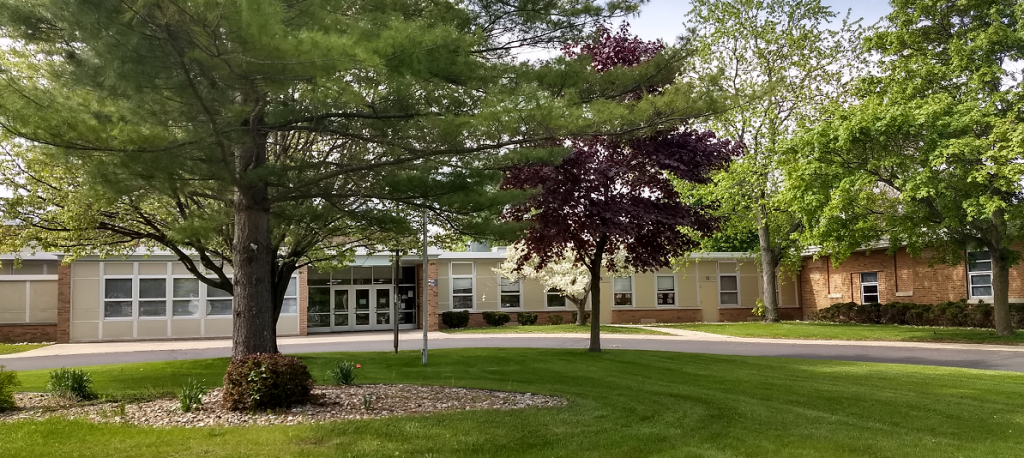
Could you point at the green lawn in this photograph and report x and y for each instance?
(6, 349)
(802, 330)
(551, 329)
(622, 404)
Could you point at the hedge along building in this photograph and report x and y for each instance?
(152, 296)
(873, 275)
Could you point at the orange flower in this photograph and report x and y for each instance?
(359, 366)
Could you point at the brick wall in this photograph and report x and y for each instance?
(31, 333)
(636, 316)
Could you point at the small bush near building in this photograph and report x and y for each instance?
(455, 319)
(191, 397)
(8, 382)
(71, 385)
(526, 318)
(555, 319)
(496, 318)
(586, 317)
(343, 373)
(949, 314)
(266, 381)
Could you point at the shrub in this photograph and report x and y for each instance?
(266, 381)
(71, 384)
(8, 382)
(496, 318)
(586, 317)
(343, 373)
(526, 318)
(453, 319)
(951, 313)
(555, 319)
(191, 397)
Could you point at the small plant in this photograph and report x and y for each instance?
(454, 320)
(266, 381)
(586, 317)
(555, 319)
(71, 385)
(496, 319)
(8, 382)
(191, 397)
(526, 318)
(343, 373)
(367, 402)
(758, 309)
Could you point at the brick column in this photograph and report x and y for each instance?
(433, 320)
(303, 287)
(63, 303)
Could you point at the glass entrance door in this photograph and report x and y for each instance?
(341, 307)
(360, 308)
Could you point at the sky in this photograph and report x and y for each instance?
(663, 18)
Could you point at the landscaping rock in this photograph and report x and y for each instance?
(331, 403)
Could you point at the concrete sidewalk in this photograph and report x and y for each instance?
(414, 337)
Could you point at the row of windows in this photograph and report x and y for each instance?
(186, 297)
(622, 292)
(979, 270)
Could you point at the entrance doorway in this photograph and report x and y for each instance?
(361, 307)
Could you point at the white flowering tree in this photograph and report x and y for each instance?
(569, 278)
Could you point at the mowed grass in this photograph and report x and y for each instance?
(552, 329)
(621, 404)
(844, 331)
(6, 349)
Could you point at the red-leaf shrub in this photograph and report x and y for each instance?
(266, 381)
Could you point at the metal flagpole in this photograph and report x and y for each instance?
(426, 289)
(396, 299)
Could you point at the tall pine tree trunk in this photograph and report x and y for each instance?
(595, 295)
(254, 308)
(1001, 293)
(769, 264)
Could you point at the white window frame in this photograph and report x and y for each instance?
(133, 299)
(878, 289)
(295, 297)
(502, 294)
(451, 289)
(975, 272)
(137, 296)
(630, 292)
(205, 294)
(201, 298)
(548, 292)
(720, 290)
(674, 291)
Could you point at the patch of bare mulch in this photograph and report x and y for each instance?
(331, 403)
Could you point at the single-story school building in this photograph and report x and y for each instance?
(151, 296)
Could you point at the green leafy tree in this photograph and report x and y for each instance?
(253, 137)
(778, 60)
(930, 154)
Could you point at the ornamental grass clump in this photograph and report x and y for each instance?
(343, 373)
(191, 397)
(8, 382)
(266, 381)
(71, 385)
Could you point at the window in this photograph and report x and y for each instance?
(511, 293)
(185, 297)
(869, 288)
(979, 269)
(555, 299)
(153, 298)
(218, 302)
(462, 285)
(728, 290)
(622, 291)
(666, 290)
(290, 306)
(117, 298)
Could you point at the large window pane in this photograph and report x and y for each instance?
(623, 299)
(462, 285)
(983, 291)
(730, 298)
(870, 289)
(728, 283)
(185, 287)
(622, 285)
(362, 276)
(869, 277)
(510, 301)
(509, 286)
(186, 308)
(983, 266)
(292, 289)
(555, 300)
(152, 309)
(290, 306)
(118, 288)
(216, 292)
(870, 298)
(218, 307)
(666, 283)
(117, 309)
(152, 288)
(383, 275)
(319, 300)
(462, 302)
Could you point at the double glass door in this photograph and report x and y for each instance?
(359, 308)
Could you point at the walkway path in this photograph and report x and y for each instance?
(954, 355)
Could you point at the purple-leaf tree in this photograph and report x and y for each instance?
(615, 193)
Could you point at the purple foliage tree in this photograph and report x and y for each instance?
(613, 192)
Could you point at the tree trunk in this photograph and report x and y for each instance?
(595, 295)
(255, 312)
(1001, 293)
(769, 264)
(581, 310)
